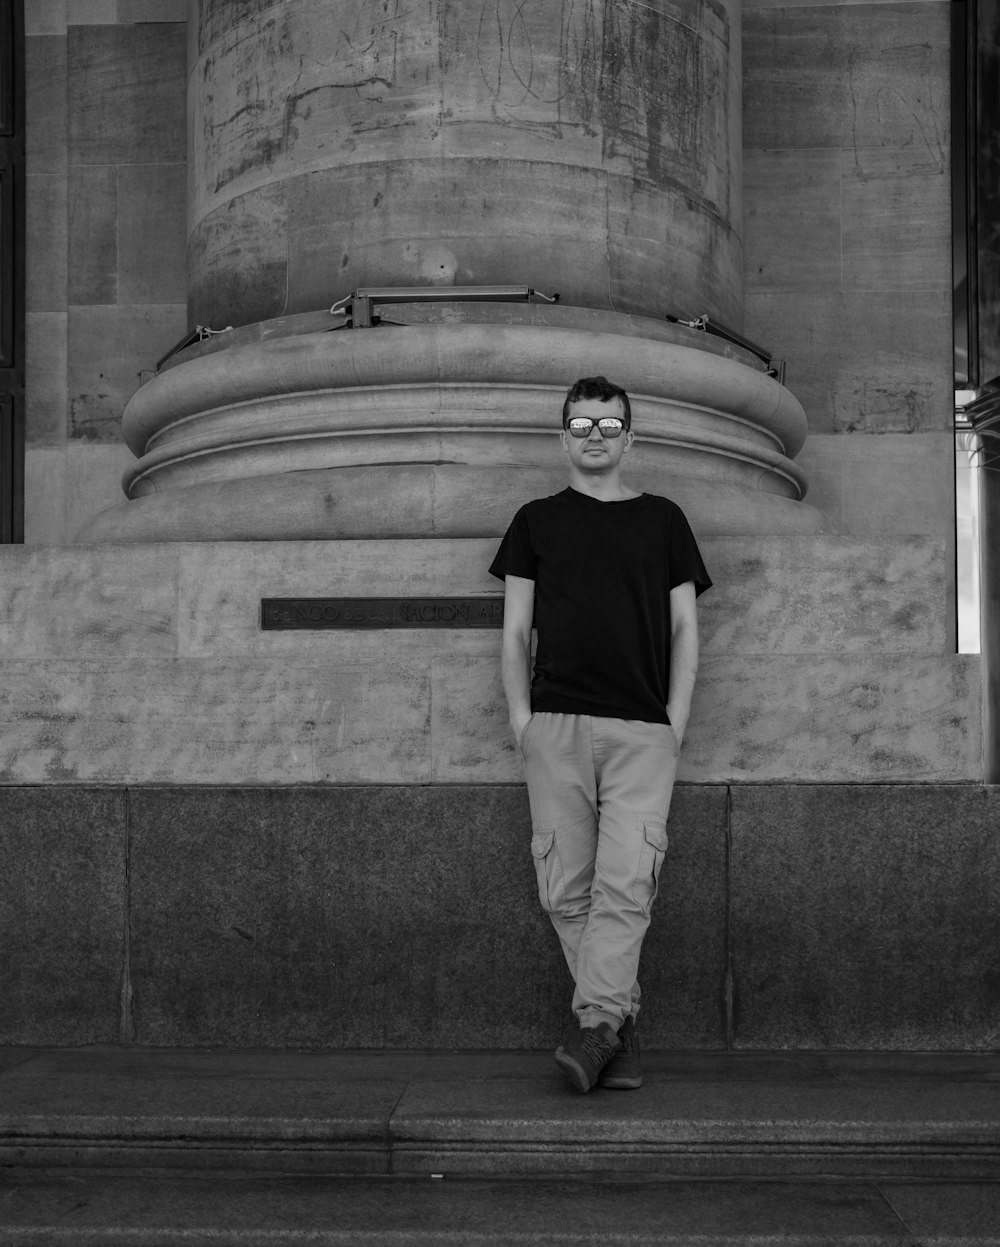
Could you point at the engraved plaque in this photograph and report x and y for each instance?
(426, 612)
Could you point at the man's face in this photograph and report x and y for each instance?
(596, 453)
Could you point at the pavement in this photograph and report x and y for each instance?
(169, 1146)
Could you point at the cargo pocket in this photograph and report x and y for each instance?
(547, 867)
(652, 851)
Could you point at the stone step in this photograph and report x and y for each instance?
(94, 1209)
(785, 1116)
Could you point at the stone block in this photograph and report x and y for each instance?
(853, 718)
(62, 894)
(946, 1212)
(93, 235)
(852, 76)
(108, 349)
(895, 484)
(485, 220)
(822, 595)
(771, 595)
(792, 229)
(896, 213)
(44, 495)
(77, 603)
(152, 10)
(781, 1130)
(860, 362)
(238, 260)
(221, 586)
(45, 104)
(152, 234)
(417, 905)
(235, 1111)
(45, 245)
(45, 379)
(46, 17)
(865, 917)
(94, 481)
(154, 720)
(413, 1210)
(127, 87)
(93, 12)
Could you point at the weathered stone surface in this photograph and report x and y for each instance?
(136, 1109)
(45, 495)
(854, 75)
(62, 894)
(855, 363)
(155, 720)
(412, 1212)
(45, 103)
(845, 719)
(126, 93)
(865, 917)
(396, 900)
(68, 603)
(892, 484)
(792, 234)
(853, 634)
(895, 206)
(45, 378)
(45, 244)
(94, 12)
(94, 480)
(947, 1212)
(151, 233)
(464, 1118)
(46, 17)
(513, 134)
(93, 234)
(107, 348)
(152, 10)
(238, 259)
(776, 595)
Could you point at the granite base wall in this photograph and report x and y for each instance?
(790, 916)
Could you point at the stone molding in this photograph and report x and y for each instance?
(326, 430)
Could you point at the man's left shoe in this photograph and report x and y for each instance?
(624, 1071)
(585, 1052)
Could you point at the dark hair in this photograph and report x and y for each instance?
(596, 387)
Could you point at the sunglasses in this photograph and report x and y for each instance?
(608, 426)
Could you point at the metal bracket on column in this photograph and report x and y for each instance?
(775, 367)
(358, 305)
(198, 334)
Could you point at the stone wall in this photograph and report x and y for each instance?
(848, 247)
(106, 272)
(373, 916)
(847, 243)
(146, 664)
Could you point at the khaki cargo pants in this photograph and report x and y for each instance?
(600, 793)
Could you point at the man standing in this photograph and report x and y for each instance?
(610, 578)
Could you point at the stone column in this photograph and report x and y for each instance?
(587, 148)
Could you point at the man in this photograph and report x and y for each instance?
(610, 577)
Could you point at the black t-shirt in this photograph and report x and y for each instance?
(603, 572)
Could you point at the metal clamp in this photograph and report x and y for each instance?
(775, 367)
(358, 305)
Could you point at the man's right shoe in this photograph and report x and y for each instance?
(585, 1052)
(624, 1071)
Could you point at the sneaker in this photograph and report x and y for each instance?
(585, 1052)
(624, 1071)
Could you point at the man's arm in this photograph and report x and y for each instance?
(515, 661)
(683, 655)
